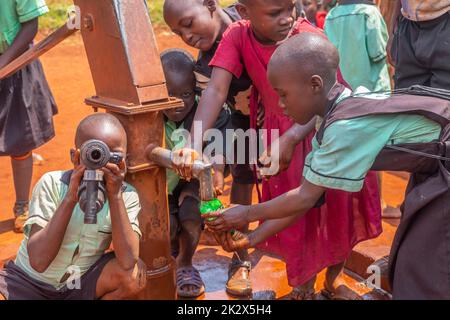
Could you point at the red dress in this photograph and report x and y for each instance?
(324, 236)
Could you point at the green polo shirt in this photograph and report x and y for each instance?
(83, 244)
(15, 12)
(360, 34)
(173, 142)
(350, 147)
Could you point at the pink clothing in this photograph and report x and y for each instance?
(324, 236)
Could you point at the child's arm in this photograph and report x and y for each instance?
(20, 44)
(125, 240)
(211, 103)
(280, 161)
(393, 28)
(44, 243)
(294, 203)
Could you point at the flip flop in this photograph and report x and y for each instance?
(189, 276)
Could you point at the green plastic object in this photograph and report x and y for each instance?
(210, 206)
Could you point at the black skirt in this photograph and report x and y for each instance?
(27, 108)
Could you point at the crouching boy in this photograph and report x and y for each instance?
(61, 257)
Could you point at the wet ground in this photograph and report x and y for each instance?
(68, 73)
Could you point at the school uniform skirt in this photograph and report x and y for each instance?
(27, 108)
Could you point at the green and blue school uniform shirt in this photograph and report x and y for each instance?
(15, 12)
(350, 147)
(360, 34)
(83, 244)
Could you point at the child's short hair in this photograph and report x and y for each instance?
(177, 60)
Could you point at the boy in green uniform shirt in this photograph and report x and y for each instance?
(61, 257)
(359, 133)
(184, 199)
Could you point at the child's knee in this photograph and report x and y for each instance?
(133, 281)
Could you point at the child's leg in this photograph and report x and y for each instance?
(116, 283)
(174, 240)
(239, 283)
(189, 281)
(22, 167)
(335, 284)
(191, 229)
(305, 291)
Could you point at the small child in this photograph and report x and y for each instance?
(201, 24)
(323, 238)
(184, 201)
(61, 258)
(404, 131)
(28, 107)
(358, 30)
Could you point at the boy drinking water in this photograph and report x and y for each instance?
(313, 243)
(184, 199)
(405, 132)
(61, 257)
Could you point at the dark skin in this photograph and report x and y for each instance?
(44, 243)
(394, 25)
(310, 7)
(199, 23)
(21, 42)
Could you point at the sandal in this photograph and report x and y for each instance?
(342, 292)
(302, 294)
(21, 215)
(239, 283)
(189, 276)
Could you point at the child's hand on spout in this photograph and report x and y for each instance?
(183, 160)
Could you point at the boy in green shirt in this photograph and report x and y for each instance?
(184, 199)
(405, 132)
(61, 257)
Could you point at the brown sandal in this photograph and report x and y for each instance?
(239, 283)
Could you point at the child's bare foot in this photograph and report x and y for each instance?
(335, 287)
(304, 292)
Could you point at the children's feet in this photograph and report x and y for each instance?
(239, 283)
(189, 282)
(21, 214)
(339, 292)
(300, 293)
